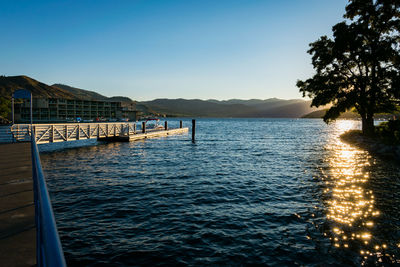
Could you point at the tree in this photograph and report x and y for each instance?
(360, 66)
(5, 107)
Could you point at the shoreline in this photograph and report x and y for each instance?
(373, 145)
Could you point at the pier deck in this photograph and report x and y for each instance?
(152, 134)
(17, 210)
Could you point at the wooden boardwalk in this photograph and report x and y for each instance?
(17, 211)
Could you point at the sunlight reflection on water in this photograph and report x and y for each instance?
(350, 205)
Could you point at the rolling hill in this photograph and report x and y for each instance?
(81, 93)
(41, 90)
(8, 84)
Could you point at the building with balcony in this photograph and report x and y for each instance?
(64, 110)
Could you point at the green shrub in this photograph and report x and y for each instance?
(389, 132)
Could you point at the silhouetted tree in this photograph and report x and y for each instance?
(360, 66)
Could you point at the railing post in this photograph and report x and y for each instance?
(89, 131)
(107, 130)
(34, 132)
(143, 127)
(17, 132)
(180, 124)
(52, 133)
(98, 130)
(166, 125)
(66, 132)
(78, 132)
(115, 129)
(134, 128)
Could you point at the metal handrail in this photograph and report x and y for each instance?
(49, 251)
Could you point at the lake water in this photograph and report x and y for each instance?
(249, 191)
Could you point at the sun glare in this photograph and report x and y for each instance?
(351, 206)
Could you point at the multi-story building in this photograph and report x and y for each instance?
(62, 110)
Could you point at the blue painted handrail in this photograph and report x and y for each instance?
(49, 251)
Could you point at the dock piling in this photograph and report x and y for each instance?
(193, 130)
(166, 125)
(143, 127)
(180, 124)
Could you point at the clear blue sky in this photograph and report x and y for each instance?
(148, 49)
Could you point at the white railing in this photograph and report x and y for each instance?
(49, 133)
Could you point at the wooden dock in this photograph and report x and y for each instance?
(62, 132)
(17, 210)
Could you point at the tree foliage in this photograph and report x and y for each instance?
(360, 65)
(5, 107)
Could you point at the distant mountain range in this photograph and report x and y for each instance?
(255, 108)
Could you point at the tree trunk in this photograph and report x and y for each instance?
(368, 127)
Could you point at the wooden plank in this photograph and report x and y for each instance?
(17, 212)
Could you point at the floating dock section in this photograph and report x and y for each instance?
(146, 135)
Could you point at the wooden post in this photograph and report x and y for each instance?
(180, 124)
(12, 109)
(78, 132)
(193, 130)
(134, 128)
(89, 131)
(129, 129)
(66, 132)
(34, 132)
(98, 130)
(52, 133)
(143, 127)
(107, 130)
(115, 129)
(166, 125)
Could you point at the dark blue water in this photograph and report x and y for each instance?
(249, 191)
